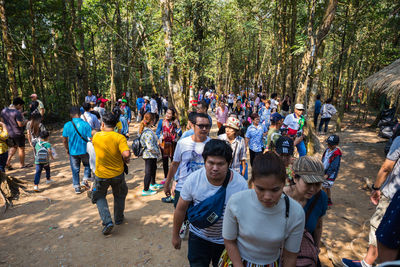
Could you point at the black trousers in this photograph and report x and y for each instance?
(322, 122)
(202, 252)
(165, 163)
(150, 169)
(253, 155)
(316, 120)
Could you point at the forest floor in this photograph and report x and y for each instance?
(56, 227)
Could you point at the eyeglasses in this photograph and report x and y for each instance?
(203, 126)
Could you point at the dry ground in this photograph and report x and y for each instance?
(56, 227)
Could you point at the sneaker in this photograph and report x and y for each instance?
(169, 199)
(184, 229)
(148, 192)
(77, 190)
(156, 186)
(351, 263)
(108, 228)
(36, 188)
(49, 181)
(85, 184)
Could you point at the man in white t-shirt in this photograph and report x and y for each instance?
(274, 102)
(231, 99)
(207, 244)
(188, 155)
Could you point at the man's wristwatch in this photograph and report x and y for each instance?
(375, 188)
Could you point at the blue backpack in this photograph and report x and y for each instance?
(211, 209)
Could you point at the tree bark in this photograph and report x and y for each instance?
(9, 50)
(172, 69)
(315, 39)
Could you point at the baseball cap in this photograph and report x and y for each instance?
(33, 95)
(276, 117)
(310, 169)
(233, 123)
(299, 106)
(284, 145)
(333, 140)
(124, 100)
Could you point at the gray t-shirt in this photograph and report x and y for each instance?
(10, 117)
(392, 183)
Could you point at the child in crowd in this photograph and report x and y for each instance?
(331, 160)
(42, 159)
(3, 146)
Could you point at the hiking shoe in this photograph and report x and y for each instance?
(108, 228)
(77, 190)
(351, 263)
(148, 192)
(36, 188)
(184, 229)
(169, 199)
(49, 181)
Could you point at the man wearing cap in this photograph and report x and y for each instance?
(40, 106)
(294, 123)
(90, 98)
(273, 132)
(284, 147)
(237, 143)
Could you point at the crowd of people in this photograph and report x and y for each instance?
(221, 197)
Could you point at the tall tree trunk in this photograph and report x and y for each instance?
(315, 38)
(172, 69)
(82, 53)
(33, 76)
(9, 50)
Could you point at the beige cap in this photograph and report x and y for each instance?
(310, 169)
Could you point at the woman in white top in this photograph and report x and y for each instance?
(327, 111)
(260, 221)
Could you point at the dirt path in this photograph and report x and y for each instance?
(56, 227)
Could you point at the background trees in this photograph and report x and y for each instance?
(60, 48)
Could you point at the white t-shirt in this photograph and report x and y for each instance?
(274, 104)
(259, 231)
(197, 188)
(153, 106)
(189, 154)
(292, 121)
(231, 98)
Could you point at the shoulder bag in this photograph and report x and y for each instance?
(308, 255)
(211, 209)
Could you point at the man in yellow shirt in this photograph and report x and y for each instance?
(112, 152)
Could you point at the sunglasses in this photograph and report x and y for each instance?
(204, 126)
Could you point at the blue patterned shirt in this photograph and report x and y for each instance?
(255, 135)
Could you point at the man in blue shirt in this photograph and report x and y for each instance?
(317, 110)
(76, 134)
(90, 98)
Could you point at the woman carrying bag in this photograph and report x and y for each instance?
(249, 213)
(308, 177)
(151, 153)
(168, 130)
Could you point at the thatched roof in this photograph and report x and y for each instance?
(387, 80)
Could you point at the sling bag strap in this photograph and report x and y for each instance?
(76, 129)
(312, 205)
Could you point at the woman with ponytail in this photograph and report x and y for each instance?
(151, 153)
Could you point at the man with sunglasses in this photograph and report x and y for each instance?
(188, 157)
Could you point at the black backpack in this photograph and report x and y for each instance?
(137, 146)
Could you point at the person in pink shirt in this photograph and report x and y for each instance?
(221, 114)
